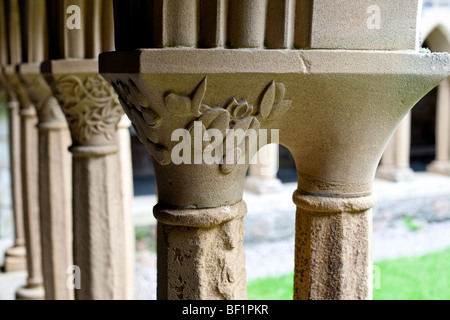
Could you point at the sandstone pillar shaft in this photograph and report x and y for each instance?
(30, 190)
(15, 258)
(98, 243)
(55, 185)
(30, 182)
(442, 163)
(126, 171)
(200, 253)
(93, 112)
(335, 109)
(333, 253)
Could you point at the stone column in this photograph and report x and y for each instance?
(93, 112)
(34, 289)
(200, 211)
(395, 162)
(333, 259)
(126, 170)
(335, 111)
(442, 163)
(263, 171)
(15, 257)
(55, 185)
(200, 253)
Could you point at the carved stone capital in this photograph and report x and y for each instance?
(89, 103)
(49, 112)
(4, 83)
(12, 76)
(327, 112)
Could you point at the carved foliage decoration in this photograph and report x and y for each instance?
(145, 120)
(90, 105)
(233, 114)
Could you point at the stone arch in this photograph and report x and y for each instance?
(438, 39)
(436, 29)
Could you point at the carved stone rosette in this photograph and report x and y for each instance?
(54, 178)
(93, 112)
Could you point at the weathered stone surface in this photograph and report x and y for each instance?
(30, 189)
(333, 241)
(55, 184)
(200, 253)
(335, 167)
(364, 25)
(93, 113)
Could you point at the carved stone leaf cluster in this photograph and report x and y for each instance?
(145, 120)
(90, 105)
(234, 114)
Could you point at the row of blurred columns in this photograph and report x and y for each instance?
(395, 164)
(55, 191)
(70, 208)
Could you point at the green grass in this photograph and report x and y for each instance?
(411, 224)
(274, 288)
(416, 278)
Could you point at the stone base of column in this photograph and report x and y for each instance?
(15, 259)
(395, 174)
(440, 167)
(262, 186)
(30, 293)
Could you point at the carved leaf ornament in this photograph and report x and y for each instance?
(233, 115)
(90, 105)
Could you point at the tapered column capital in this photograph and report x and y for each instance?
(49, 112)
(12, 76)
(91, 107)
(4, 82)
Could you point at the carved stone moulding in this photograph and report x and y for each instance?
(335, 110)
(89, 103)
